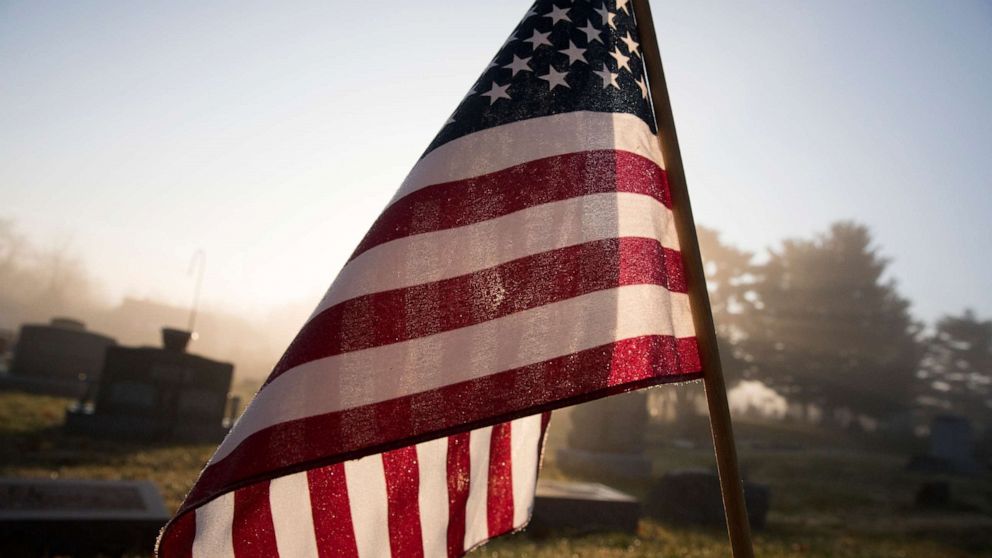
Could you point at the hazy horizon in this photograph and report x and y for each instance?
(271, 138)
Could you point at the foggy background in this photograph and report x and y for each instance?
(837, 157)
(839, 152)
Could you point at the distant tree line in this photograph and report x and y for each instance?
(820, 322)
(38, 282)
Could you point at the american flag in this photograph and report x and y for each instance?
(529, 261)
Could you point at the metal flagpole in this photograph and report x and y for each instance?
(702, 316)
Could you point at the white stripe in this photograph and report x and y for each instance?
(289, 498)
(438, 255)
(366, 481)
(477, 504)
(525, 437)
(512, 144)
(213, 528)
(432, 461)
(390, 371)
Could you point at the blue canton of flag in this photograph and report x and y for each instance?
(558, 59)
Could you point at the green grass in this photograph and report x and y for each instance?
(832, 495)
(653, 540)
(32, 445)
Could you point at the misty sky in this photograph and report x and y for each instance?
(270, 134)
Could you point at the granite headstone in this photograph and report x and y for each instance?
(693, 497)
(607, 438)
(149, 393)
(951, 448)
(44, 517)
(584, 506)
(59, 358)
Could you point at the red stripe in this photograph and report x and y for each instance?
(422, 310)
(499, 499)
(331, 512)
(403, 504)
(459, 479)
(463, 202)
(612, 368)
(253, 533)
(177, 538)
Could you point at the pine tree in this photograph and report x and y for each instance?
(957, 367)
(827, 329)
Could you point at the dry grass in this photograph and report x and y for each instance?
(32, 445)
(831, 496)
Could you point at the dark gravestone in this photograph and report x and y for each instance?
(42, 517)
(933, 495)
(7, 337)
(61, 358)
(952, 440)
(984, 448)
(607, 438)
(147, 393)
(583, 506)
(693, 497)
(952, 447)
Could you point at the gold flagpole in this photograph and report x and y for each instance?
(702, 316)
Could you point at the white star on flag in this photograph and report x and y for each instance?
(574, 53)
(497, 92)
(609, 78)
(632, 45)
(555, 78)
(623, 61)
(518, 65)
(607, 16)
(592, 33)
(622, 5)
(558, 14)
(643, 87)
(538, 39)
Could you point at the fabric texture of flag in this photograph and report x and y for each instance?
(529, 261)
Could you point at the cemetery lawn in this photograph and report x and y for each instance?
(832, 496)
(32, 445)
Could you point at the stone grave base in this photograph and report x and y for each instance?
(693, 497)
(924, 463)
(583, 506)
(44, 517)
(141, 428)
(44, 386)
